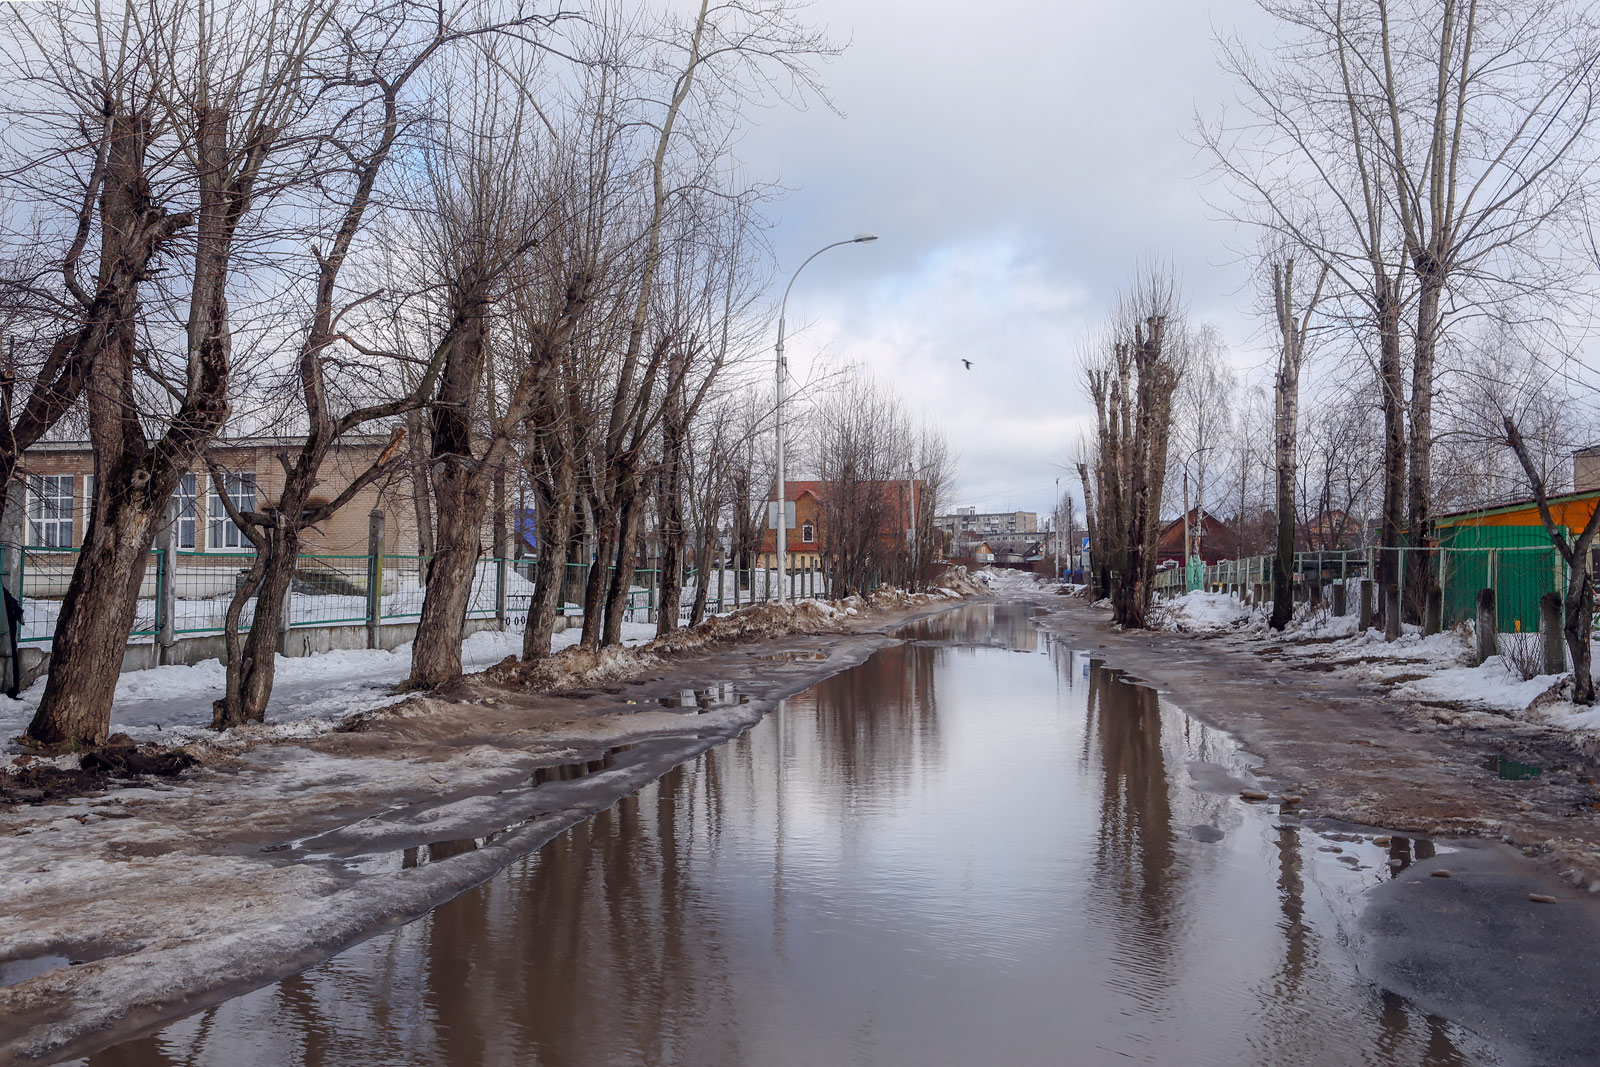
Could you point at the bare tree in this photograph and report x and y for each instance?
(1292, 316)
(1132, 385)
(209, 106)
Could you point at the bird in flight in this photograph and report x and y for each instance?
(967, 363)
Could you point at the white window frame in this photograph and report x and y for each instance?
(808, 534)
(187, 494)
(222, 534)
(48, 523)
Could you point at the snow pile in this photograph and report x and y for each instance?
(958, 581)
(1004, 580)
(1493, 684)
(1198, 612)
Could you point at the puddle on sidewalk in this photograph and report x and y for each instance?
(25, 967)
(699, 701)
(948, 854)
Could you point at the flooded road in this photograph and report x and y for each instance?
(977, 847)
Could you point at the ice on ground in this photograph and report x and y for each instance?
(310, 694)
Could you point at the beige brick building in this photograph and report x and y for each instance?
(58, 478)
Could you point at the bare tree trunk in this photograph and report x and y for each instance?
(436, 652)
(702, 586)
(421, 484)
(556, 517)
(1419, 577)
(627, 550)
(1286, 397)
(1392, 385)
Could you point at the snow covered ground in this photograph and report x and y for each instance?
(310, 694)
(1434, 668)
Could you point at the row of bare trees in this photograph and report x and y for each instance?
(510, 238)
(1418, 177)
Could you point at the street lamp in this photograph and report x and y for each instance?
(779, 520)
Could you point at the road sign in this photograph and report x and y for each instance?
(788, 514)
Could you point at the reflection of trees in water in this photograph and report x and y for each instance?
(876, 723)
(1288, 995)
(1399, 1029)
(1135, 863)
(593, 950)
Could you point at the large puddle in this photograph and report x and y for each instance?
(978, 847)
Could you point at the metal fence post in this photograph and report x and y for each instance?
(374, 575)
(167, 586)
(11, 564)
(502, 542)
(722, 577)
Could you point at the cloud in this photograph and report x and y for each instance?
(1017, 159)
(998, 302)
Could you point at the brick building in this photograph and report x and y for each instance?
(58, 479)
(807, 544)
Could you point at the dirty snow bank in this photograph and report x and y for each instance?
(1005, 580)
(577, 668)
(310, 695)
(1492, 684)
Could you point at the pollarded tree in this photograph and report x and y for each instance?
(1132, 384)
(209, 115)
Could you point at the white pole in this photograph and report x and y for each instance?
(779, 520)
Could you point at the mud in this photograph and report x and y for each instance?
(1360, 755)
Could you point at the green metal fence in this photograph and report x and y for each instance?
(195, 589)
(1519, 574)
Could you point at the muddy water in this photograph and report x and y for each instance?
(977, 847)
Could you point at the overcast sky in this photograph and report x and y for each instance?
(1017, 160)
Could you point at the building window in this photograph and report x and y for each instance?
(242, 491)
(50, 510)
(183, 534)
(808, 534)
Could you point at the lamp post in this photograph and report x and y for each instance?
(782, 372)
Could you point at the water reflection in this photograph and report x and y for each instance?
(952, 854)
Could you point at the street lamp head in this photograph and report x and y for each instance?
(864, 238)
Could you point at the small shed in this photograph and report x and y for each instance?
(1506, 548)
